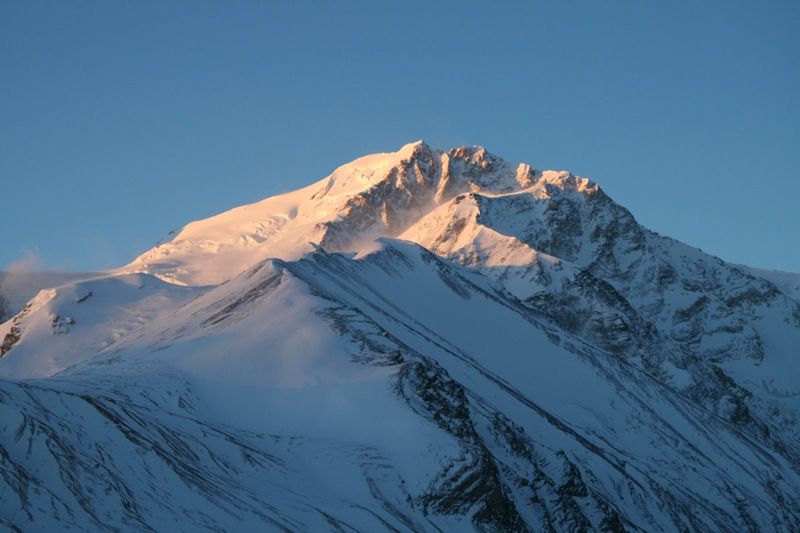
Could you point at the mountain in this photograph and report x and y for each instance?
(422, 341)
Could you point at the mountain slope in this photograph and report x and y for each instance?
(725, 337)
(430, 417)
(68, 324)
(718, 333)
(788, 282)
(378, 195)
(423, 340)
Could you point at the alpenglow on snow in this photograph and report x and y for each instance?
(424, 340)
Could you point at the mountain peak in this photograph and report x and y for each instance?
(376, 195)
(476, 155)
(414, 147)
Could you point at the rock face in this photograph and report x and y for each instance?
(424, 340)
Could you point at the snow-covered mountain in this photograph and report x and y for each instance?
(423, 340)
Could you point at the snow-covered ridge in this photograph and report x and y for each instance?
(373, 196)
(68, 324)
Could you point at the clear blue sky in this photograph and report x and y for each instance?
(122, 120)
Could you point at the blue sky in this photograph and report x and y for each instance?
(124, 120)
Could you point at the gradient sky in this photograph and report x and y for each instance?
(123, 120)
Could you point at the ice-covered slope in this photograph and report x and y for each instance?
(391, 390)
(538, 360)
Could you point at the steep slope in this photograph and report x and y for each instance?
(368, 392)
(727, 338)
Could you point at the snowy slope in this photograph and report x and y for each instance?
(377, 375)
(725, 337)
(788, 282)
(215, 249)
(728, 339)
(64, 325)
(526, 357)
(377, 195)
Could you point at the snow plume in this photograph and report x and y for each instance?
(14, 277)
(20, 280)
(30, 262)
